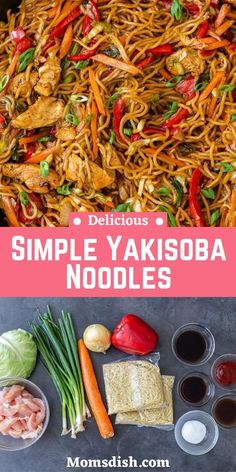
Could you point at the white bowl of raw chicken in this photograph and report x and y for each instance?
(28, 413)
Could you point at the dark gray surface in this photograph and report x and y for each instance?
(50, 453)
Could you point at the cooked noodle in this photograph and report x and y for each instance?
(150, 163)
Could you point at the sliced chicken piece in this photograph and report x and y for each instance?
(49, 75)
(75, 171)
(99, 177)
(66, 133)
(31, 404)
(30, 175)
(20, 86)
(6, 424)
(46, 111)
(9, 394)
(65, 210)
(185, 60)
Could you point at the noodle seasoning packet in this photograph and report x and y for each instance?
(133, 385)
(154, 417)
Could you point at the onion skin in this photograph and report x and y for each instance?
(97, 338)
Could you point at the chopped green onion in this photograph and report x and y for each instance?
(70, 78)
(110, 101)
(65, 64)
(88, 119)
(155, 99)
(45, 139)
(171, 218)
(123, 207)
(179, 191)
(164, 191)
(227, 88)
(176, 10)
(24, 199)
(174, 81)
(71, 117)
(74, 49)
(44, 169)
(202, 82)
(128, 131)
(25, 58)
(4, 81)
(78, 98)
(172, 110)
(64, 189)
(208, 193)
(214, 217)
(112, 138)
(233, 117)
(226, 167)
(98, 28)
(82, 64)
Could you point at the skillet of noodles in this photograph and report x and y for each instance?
(117, 105)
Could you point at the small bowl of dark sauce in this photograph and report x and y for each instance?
(224, 410)
(193, 344)
(196, 389)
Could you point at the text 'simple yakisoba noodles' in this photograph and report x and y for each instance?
(118, 106)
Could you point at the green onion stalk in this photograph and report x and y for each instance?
(57, 344)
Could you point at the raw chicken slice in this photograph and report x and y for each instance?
(10, 394)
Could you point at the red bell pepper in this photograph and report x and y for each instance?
(149, 130)
(194, 205)
(118, 111)
(92, 11)
(31, 148)
(85, 54)
(202, 29)
(167, 4)
(20, 40)
(2, 121)
(37, 200)
(186, 87)
(176, 118)
(134, 336)
(162, 50)
(144, 63)
(135, 137)
(87, 25)
(193, 8)
(61, 28)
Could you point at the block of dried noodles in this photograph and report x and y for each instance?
(132, 385)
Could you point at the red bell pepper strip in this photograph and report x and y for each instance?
(20, 40)
(31, 148)
(150, 130)
(202, 29)
(186, 87)
(87, 25)
(50, 42)
(232, 46)
(60, 29)
(194, 205)
(92, 10)
(176, 118)
(134, 336)
(135, 137)
(193, 9)
(163, 50)
(167, 4)
(2, 121)
(85, 54)
(144, 63)
(118, 111)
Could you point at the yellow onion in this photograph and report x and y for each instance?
(97, 338)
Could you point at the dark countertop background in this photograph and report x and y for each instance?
(165, 315)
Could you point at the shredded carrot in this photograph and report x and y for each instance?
(214, 100)
(232, 208)
(224, 10)
(122, 40)
(163, 157)
(212, 84)
(9, 211)
(108, 205)
(94, 129)
(231, 14)
(96, 91)
(33, 138)
(165, 74)
(224, 27)
(110, 61)
(92, 391)
(66, 42)
(40, 156)
(52, 12)
(67, 9)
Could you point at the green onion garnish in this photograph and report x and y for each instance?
(227, 88)
(208, 193)
(176, 10)
(64, 189)
(112, 138)
(82, 64)
(172, 110)
(233, 117)
(226, 167)
(4, 81)
(123, 207)
(163, 191)
(174, 81)
(78, 98)
(171, 218)
(179, 191)
(24, 199)
(214, 217)
(44, 169)
(25, 58)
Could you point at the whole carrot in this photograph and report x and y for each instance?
(92, 391)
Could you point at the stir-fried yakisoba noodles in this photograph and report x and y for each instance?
(116, 105)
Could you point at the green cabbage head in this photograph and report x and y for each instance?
(18, 353)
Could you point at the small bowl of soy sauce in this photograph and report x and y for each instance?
(193, 344)
(196, 389)
(224, 410)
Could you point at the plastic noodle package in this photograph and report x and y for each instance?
(161, 418)
(133, 384)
